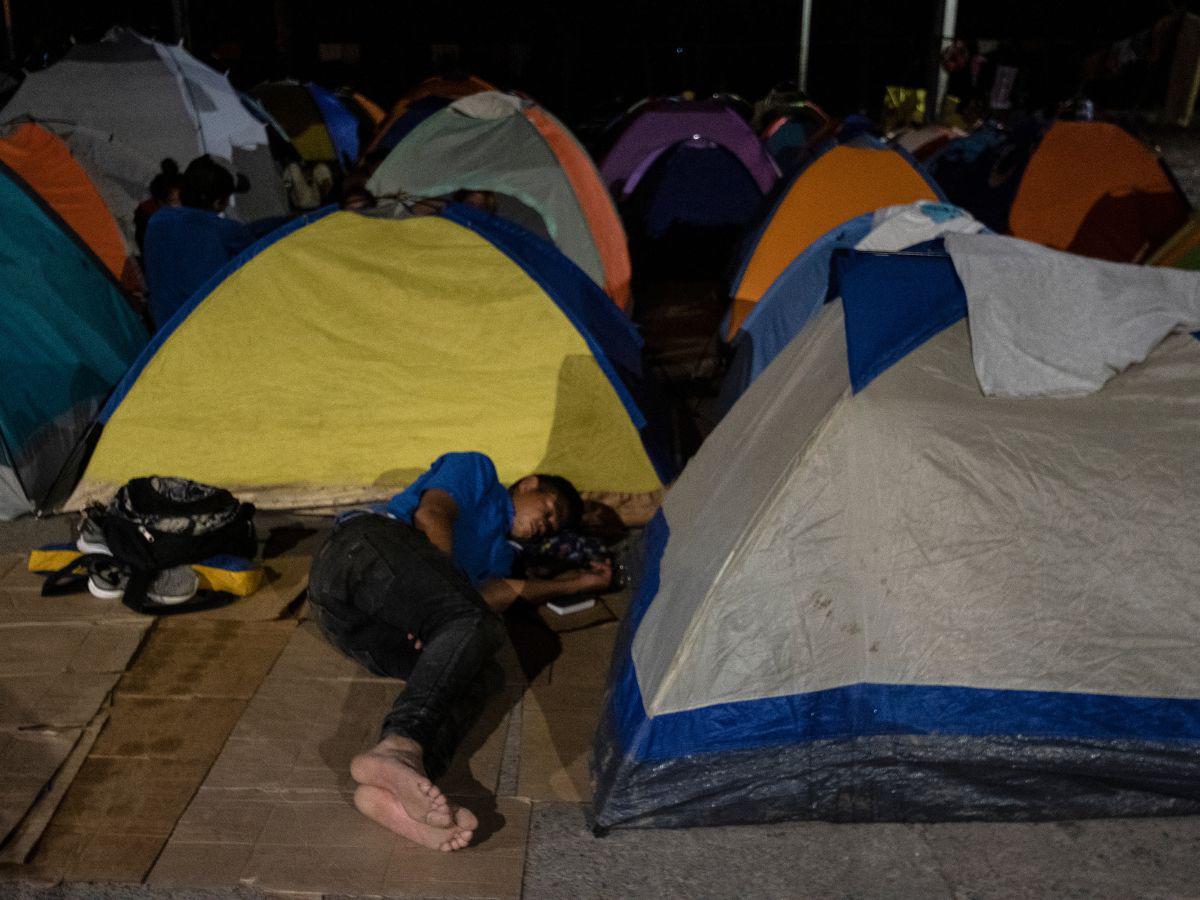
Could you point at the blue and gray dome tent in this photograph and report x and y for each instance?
(67, 335)
(877, 594)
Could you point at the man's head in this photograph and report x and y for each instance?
(208, 185)
(542, 505)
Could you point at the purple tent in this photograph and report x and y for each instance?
(657, 126)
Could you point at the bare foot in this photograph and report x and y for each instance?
(383, 807)
(396, 766)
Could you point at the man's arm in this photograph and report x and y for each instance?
(435, 517)
(501, 593)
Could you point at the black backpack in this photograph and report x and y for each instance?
(157, 523)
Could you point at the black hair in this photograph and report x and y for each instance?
(566, 492)
(167, 179)
(206, 181)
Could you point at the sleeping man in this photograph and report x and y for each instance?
(413, 590)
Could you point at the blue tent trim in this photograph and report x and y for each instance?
(416, 113)
(123, 387)
(613, 339)
(339, 122)
(894, 302)
(867, 709)
(786, 307)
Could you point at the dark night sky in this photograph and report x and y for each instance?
(582, 59)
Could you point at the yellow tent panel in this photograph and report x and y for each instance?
(339, 362)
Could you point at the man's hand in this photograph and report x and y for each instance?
(500, 593)
(596, 579)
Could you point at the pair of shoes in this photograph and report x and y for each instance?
(91, 538)
(170, 587)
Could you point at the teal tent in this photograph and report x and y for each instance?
(67, 335)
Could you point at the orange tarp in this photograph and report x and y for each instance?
(452, 88)
(839, 185)
(1093, 188)
(595, 201)
(44, 163)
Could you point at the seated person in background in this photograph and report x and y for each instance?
(165, 189)
(413, 590)
(188, 244)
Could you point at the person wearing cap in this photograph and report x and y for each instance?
(186, 245)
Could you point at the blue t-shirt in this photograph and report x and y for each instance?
(184, 248)
(485, 512)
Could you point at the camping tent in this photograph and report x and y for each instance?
(67, 336)
(801, 289)
(982, 171)
(843, 182)
(368, 113)
(44, 163)
(1094, 189)
(449, 89)
(156, 101)
(337, 359)
(795, 129)
(877, 594)
(654, 127)
(695, 183)
(399, 127)
(315, 120)
(498, 142)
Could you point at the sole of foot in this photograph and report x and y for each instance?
(382, 806)
(394, 772)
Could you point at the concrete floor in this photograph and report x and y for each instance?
(1106, 858)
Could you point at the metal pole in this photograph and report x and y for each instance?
(10, 45)
(805, 37)
(946, 29)
(183, 31)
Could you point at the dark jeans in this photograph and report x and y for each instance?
(375, 581)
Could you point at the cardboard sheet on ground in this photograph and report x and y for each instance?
(276, 810)
(171, 714)
(559, 714)
(59, 660)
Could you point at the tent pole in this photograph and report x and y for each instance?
(805, 37)
(10, 45)
(946, 23)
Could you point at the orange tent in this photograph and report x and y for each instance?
(373, 110)
(840, 184)
(1094, 189)
(42, 160)
(450, 88)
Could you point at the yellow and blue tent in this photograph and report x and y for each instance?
(337, 358)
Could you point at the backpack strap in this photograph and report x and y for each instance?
(72, 577)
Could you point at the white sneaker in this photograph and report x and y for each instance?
(91, 538)
(172, 586)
